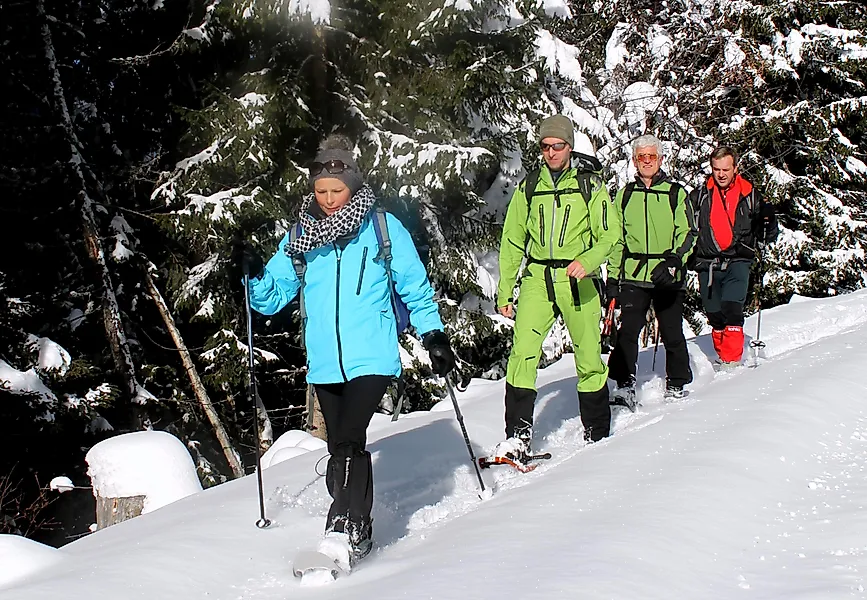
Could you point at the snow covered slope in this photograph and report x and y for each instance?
(754, 485)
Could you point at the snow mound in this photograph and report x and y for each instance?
(289, 445)
(20, 558)
(154, 464)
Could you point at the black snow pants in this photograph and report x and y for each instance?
(347, 409)
(668, 304)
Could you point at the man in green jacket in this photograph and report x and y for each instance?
(648, 265)
(562, 220)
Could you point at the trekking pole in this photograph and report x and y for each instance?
(401, 392)
(757, 345)
(253, 397)
(466, 437)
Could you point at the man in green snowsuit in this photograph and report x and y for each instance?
(648, 266)
(562, 219)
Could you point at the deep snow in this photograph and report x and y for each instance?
(753, 486)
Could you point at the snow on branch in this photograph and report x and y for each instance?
(406, 157)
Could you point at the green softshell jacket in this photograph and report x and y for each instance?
(649, 227)
(557, 229)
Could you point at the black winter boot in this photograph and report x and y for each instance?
(361, 538)
(349, 478)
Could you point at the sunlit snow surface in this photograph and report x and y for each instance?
(753, 486)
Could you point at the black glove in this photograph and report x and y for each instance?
(665, 273)
(442, 359)
(247, 259)
(612, 290)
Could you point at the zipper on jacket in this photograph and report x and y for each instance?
(565, 222)
(646, 234)
(542, 224)
(361, 271)
(554, 203)
(604, 215)
(339, 254)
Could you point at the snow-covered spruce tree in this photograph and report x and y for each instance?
(88, 110)
(52, 398)
(784, 83)
(432, 94)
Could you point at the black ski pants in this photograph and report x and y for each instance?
(347, 409)
(668, 304)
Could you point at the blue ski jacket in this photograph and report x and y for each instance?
(351, 327)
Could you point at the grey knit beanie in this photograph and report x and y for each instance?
(560, 127)
(338, 147)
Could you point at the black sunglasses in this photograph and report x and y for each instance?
(557, 146)
(332, 166)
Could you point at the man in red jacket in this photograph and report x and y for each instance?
(733, 220)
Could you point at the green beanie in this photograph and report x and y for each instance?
(558, 126)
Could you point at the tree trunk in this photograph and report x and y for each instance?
(110, 511)
(320, 71)
(195, 381)
(110, 310)
(315, 421)
(266, 432)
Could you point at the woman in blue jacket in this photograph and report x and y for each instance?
(350, 329)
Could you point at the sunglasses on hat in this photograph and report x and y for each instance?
(557, 146)
(332, 166)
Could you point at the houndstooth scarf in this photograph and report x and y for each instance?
(346, 220)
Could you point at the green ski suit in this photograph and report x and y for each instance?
(554, 229)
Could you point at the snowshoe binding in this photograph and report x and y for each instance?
(514, 452)
(624, 395)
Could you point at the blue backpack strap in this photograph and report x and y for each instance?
(380, 227)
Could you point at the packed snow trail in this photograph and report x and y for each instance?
(753, 483)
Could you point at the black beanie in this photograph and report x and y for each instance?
(338, 147)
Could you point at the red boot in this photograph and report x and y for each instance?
(717, 336)
(732, 346)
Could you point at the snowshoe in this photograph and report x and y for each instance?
(513, 448)
(723, 366)
(337, 546)
(315, 568)
(330, 560)
(674, 392)
(525, 465)
(624, 395)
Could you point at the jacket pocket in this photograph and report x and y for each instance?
(542, 224)
(565, 223)
(361, 271)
